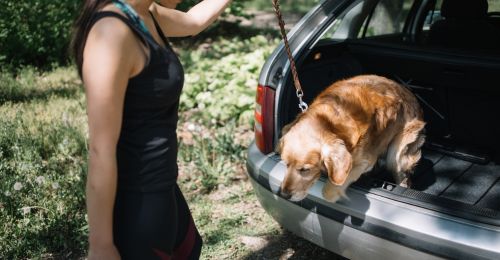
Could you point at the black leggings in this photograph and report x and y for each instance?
(155, 225)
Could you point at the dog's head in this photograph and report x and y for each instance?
(306, 155)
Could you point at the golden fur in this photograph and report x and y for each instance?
(345, 130)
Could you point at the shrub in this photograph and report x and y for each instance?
(35, 32)
(236, 8)
(38, 32)
(221, 80)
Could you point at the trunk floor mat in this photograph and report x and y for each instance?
(455, 179)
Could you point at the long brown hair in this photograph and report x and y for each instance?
(81, 29)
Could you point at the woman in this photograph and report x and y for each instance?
(132, 83)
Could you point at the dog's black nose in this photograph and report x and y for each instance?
(285, 194)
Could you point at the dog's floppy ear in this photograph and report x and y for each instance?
(286, 128)
(279, 147)
(337, 161)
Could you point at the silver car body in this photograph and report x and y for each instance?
(365, 225)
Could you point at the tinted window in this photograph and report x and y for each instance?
(432, 16)
(368, 18)
(388, 17)
(493, 6)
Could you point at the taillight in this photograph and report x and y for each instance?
(264, 119)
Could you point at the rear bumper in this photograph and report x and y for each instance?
(369, 226)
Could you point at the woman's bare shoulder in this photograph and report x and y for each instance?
(110, 28)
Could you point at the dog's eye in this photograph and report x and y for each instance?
(304, 170)
(305, 167)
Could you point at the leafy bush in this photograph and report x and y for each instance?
(221, 79)
(291, 6)
(35, 32)
(236, 8)
(38, 32)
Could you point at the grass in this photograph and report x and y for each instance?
(42, 165)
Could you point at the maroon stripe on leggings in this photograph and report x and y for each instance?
(184, 249)
(161, 254)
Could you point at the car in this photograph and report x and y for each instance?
(447, 52)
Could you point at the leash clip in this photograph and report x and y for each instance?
(302, 105)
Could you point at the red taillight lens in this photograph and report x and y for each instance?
(264, 119)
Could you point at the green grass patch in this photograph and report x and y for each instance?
(42, 166)
(223, 220)
(28, 84)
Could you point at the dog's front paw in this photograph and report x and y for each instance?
(332, 193)
(406, 183)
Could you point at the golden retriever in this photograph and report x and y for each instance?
(344, 132)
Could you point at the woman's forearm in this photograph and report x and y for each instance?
(101, 191)
(178, 24)
(207, 11)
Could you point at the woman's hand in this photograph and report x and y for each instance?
(103, 252)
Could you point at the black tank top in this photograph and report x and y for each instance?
(147, 146)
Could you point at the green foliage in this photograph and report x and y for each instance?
(289, 6)
(38, 32)
(236, 8)
(28, 84)
(35, 32)
(221, 79)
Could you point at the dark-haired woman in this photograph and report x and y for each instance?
(133, 80)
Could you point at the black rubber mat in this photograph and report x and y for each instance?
(455, 179)
(492, 198)
(473, 184)
(437, 179)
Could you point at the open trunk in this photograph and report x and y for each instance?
(459, 172)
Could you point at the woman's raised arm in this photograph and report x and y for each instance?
(176, 23)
